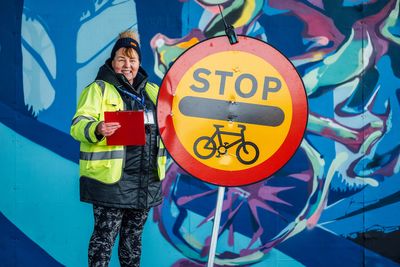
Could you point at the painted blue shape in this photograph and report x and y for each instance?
(275, 28)
(269, 10)
(191, 15)
(16, 249)
(153, 18)
(370, 207)
(317, 247)
(53, 139)
(347, 3)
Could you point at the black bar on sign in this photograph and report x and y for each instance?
(231, 111)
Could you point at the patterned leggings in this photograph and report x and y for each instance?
(108, 222)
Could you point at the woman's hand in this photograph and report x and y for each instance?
(107, 129)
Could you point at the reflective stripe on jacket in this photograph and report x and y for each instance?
(97, 160)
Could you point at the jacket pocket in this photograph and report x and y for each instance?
(94, 164)
(112, 104)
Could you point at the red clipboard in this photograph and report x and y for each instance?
(131, 133)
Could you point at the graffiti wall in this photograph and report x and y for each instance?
(335, 203)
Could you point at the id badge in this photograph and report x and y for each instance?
(148, 117)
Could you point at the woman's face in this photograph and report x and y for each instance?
(128, 66)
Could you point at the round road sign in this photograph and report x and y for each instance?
(232, 115)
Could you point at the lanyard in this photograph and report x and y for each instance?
(139, 100)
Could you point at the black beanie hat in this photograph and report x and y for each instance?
(126, 43)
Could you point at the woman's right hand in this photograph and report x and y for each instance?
(107, 129)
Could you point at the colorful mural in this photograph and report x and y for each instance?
(334, 203)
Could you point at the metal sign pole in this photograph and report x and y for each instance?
(217, 219)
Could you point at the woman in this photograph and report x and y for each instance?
(122, 182)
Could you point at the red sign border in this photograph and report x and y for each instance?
(223, 177)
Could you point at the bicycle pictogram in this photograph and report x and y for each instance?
(206, 147)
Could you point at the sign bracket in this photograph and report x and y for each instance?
(229, 29)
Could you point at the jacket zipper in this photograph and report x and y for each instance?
(148, 164)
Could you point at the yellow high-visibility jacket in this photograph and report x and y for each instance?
(97, 160)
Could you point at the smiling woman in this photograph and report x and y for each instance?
(121, 181)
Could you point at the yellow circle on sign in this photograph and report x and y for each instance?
(218, 80)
